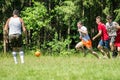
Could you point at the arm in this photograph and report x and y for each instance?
(82, 31)
(23, 26)
(99, 34)
(6, 27)
(116, 25)
(24, 29)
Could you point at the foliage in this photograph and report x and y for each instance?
(66, 10)
(58, 47)
(35, 18)
(117, 11)
(106, 11)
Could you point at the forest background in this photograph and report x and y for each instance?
(51, 24)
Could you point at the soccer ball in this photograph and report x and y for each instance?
(37, 53)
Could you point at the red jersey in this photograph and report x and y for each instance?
(117, 39)
(104, 35)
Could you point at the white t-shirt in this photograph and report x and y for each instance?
(111, 28)
(84, 37)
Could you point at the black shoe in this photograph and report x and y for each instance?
(114, 54)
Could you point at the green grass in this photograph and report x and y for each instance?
(73, 67)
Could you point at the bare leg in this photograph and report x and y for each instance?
(112, 46)
(104, 51)
(93, 52)
(79, 46)
(108, 55)
(101, 50)
(107, 52)
(118, 49)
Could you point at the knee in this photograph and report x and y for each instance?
(98, 47)
(111, 44)
(76, 47)
(118, 50)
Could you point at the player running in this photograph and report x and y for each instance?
(103, 45)
(85, 39)
(112, 28)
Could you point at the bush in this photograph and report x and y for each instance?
(58, 47)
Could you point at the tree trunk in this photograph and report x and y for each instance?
(68, 34)
(4, 41)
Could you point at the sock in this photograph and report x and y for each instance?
(21, 56)
(15, 57)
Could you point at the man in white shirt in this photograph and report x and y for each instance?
(14, 27)
(112, 28)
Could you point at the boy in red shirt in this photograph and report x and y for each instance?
(104, 42)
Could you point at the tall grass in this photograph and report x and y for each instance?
(72, 67)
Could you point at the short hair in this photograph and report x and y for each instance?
(109, 17)
(98, 17)
(79, 22)
(16, 12)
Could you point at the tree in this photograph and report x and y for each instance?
(66, 12)
(36, 18)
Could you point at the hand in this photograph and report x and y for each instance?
(79, 30)
(80, 38)
(93, 38)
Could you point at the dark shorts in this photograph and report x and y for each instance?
(15, 40)
(104, 43)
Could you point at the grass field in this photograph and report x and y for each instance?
(73, 67)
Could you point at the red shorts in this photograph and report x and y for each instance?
(117, 40)
(117, 44)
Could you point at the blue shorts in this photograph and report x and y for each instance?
(105, 43)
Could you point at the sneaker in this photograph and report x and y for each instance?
(114, 54)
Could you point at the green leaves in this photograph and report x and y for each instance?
(117, 11)
(66, 9)
(35, 16)
(58, 46)
(106, 11)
